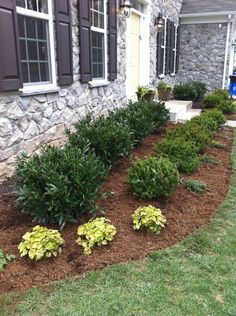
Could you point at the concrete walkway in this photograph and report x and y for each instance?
(181, 111)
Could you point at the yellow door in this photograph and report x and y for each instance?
(134, 54)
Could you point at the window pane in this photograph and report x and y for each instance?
(23, 49)
(43, 52)
(30, 27)
(21, 26)
(42, 29)
(44, 72)
(97, 11)
(32, 50)
(20, 3)
(24, 67)
(34, 72)
(43, 6)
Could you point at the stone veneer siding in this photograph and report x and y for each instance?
(28, 122)
(202, 54)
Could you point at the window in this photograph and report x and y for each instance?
(167, 49)
(99, 42)
(35, 24)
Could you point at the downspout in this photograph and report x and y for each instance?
(226, 51)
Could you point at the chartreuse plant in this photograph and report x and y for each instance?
(150, 218)
(196, 186)
(5, 259)
(96, 232)
(41, 243)
(153, 177)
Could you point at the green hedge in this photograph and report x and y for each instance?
(192, 91)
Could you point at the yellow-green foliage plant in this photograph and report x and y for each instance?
(41, 243)
(96, 232)
(150, 218)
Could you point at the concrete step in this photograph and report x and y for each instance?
(177, 109)
(188, 115)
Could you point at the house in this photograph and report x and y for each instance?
(60, 59)
(208, 42)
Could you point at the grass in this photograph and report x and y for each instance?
(196, 277)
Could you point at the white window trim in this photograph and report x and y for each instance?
(175, 50)
(44, 87)
(101, 81)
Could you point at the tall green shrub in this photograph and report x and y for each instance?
(142, 118)
(110, 139)
(59, 184)
(192, 91)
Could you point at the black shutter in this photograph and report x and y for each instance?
(159, 65)
(85, 40)
(10, 69)
(172, 47)
(177, 50)
(64, 41)
(168, 47)
(112, 39)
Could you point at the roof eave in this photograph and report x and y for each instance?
(207, 14)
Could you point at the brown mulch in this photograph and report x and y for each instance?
(185, 212)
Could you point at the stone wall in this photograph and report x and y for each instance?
(202, 54)
(28, 122)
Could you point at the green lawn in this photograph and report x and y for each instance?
(197, 277)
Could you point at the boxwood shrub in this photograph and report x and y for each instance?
(216, 115)
(110, 139)
(212, 101)
(227, 107)
(223, 93)
(182, 153)
(142, 118)
(192, 91)
(153, 177)
(59, 184)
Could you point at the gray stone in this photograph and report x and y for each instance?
(31, 131)
(41, 98)
(14, 111)
(5, 127)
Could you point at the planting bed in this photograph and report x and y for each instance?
(185, 212)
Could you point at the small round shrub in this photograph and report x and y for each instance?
(193, 91)
(207, 123)
(41, 243)
(227, 107)
(110, 139)
(182, 153)
(223, 93)
(212, 101)
(216, 115)
(153, 177)
(96, 232)
(150, 218)
(59, 184)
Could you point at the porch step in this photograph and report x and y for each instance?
(181, 111)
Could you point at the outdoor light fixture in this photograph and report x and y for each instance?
(126, 6)
(159, 23)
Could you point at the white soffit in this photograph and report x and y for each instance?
(201, 18)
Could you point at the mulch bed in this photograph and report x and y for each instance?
(185, 212)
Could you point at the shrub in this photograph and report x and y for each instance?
(183, 154)
(150, 218)
(59, 184)
(216, 144)
(216, 115)
(96, 232)
(110, 139)
(41, 243)
(223, 93)
(207, 122)
(153, 177)
(193, 91)
(196, 186)
(142, 118)
(5, 259)
(227, 107)
(209, 160)
(212, 101)
(191, 132)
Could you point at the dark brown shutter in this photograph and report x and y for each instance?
(168, 47)
(85, 40)
(159, 65)
(177, 50)
(112, 39)
(10, 69)
(172, 47)
(64, 41)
